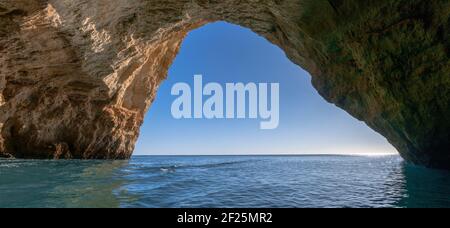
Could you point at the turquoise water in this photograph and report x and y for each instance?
(223, 181)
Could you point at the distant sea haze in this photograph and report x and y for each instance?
(224, 181)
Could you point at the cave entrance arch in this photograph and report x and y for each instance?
(78, 76)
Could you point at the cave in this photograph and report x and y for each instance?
(77, 77)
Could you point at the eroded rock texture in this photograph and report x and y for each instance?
(77, 76)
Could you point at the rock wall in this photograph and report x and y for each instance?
(77, 76)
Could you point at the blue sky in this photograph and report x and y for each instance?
(226, 53)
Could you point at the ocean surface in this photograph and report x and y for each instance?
(223, 181)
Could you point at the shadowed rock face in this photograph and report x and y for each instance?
(77, 76)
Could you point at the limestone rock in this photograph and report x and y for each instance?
(77, 76)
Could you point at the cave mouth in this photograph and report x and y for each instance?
(78, 82)
(224, 52)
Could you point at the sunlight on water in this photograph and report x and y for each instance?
(227, 181)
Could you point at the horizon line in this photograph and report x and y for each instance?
(222, 155)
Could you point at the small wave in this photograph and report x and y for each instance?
(174, 168)
(167, 170)
(11, 165)
(209, 165)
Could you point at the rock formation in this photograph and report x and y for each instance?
(77, 76)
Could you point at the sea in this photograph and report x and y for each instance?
(325, 181)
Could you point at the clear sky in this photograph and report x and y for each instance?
(224, 53)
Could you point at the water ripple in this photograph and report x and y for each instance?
(230, 181)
